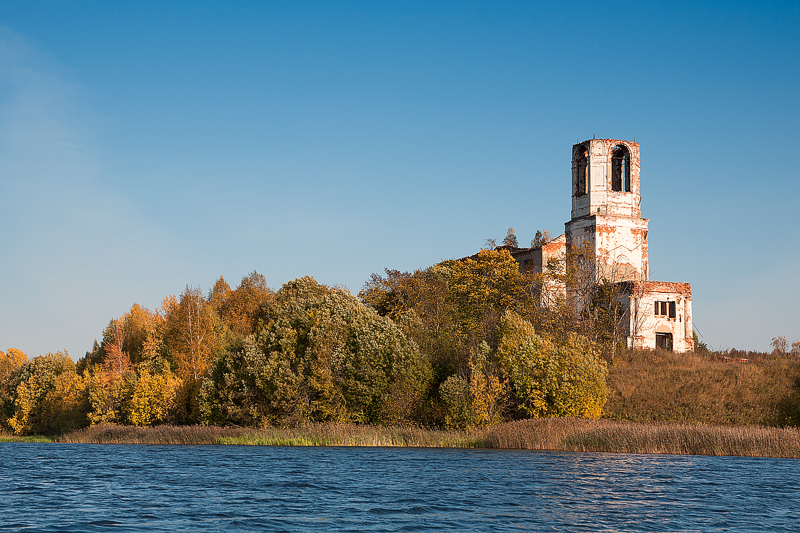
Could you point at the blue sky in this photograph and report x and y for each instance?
(149, 146)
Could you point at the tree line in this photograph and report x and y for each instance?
(461, 343)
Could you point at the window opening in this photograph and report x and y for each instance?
(664, 341)
(621, 169)
(667, 309)
(582, 168)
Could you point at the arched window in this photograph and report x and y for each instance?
(621, 169)
(582, 170)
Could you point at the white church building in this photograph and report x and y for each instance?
(607, 219)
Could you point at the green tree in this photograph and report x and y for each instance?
(322, 355)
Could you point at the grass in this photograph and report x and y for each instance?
(559, 434)
(7, 437)
(659, 386)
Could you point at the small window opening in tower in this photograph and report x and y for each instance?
(621, 169)
(582, 171)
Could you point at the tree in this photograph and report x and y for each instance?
(448, 309)
(219, 294)
(779, 345)
(510, 239)
(482, 289)
(241, 309)
(108, 394)
(116, 361)
(10, 361)
(321, 355)
(540, 239)
(487, 390)
(192, 334)
(552, 378)
(153, 396)
(33, 396)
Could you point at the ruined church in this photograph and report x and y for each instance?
(607, 220)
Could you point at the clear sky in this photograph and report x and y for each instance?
(146, 146)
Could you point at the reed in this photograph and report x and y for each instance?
(114, 434)
(558, 434)
(356, 435)
(572, 434)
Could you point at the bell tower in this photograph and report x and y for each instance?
(606, 214)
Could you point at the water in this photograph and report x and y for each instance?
(66, 487)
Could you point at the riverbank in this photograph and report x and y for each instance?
(554, 434)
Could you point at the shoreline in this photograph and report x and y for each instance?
(543, 434)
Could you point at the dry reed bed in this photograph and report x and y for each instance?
(558, 434)
(569, 434)
(114, 434)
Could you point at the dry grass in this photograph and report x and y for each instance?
(560, 434)
(657, 386)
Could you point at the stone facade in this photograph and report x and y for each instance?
(607, 222)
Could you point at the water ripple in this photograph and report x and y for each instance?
(94, 488)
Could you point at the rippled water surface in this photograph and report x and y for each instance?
(79, 487)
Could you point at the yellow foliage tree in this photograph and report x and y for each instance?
(33, 382)
(11, 361)
(241, 307)
(65, 405)
(552, 378)
(192, 334)
(106, 393)
(487, 390)
(153, 398)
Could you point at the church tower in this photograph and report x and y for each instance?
(606, 214)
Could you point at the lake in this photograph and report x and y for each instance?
(86, 488)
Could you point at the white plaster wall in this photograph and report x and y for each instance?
(644, 323)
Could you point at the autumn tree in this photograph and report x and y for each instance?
(540, 239)
(449, 309)
(779, 345)
(482, 288)
(47, 396)
(550, 378)
(11, 360)
(193, 336)
(240, 309)
(153, 395)
(219, 294)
